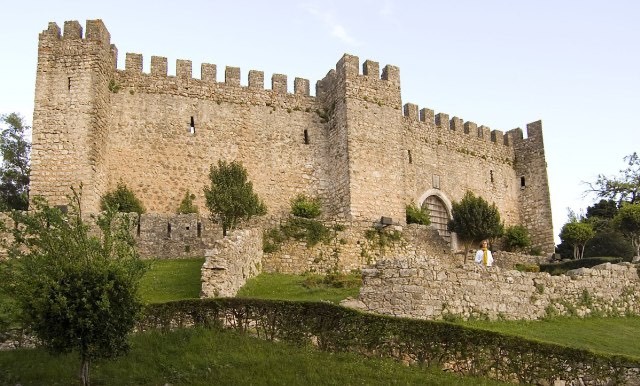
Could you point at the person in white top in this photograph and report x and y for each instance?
(483, 256)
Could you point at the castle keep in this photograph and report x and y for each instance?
(354, 144)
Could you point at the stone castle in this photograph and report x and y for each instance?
(354, 144)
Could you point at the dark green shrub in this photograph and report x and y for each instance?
(305, 206)
(417, 215)
(186, 205)
(122, 200)
(311, 231)
(516, 238)
(527, 267)
(587, 262)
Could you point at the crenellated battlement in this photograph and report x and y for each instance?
(95, 31)
(208, 74)
(349, 66)
(458, 125)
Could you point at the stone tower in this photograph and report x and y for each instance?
(71, 111)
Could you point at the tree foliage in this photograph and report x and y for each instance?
(415, 215)
(230, 197)
(305, 206)
(187, 205)
(623, 188)
(475, 220)
(15, 169)
(74, 288)
(628, 222)
(516, 238)
(122, 199)
(577, 234)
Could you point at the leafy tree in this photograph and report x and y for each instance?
(305, 206)
(624, 188)
(628, 222)
(516, 238)
(475, 220)
(417, 215)
(74, 289)
(230, 197)
(14, 172)
(577, 234)
(122, 200)
(186, 205)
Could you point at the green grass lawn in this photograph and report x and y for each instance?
(208, 357)
(278, 286)
(604, 335)
(173, 279)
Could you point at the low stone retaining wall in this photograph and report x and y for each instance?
(233, 260)
(424, 288)
(349, 248)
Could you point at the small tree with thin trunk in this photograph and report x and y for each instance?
(577, 234)
(474, 220)
(628, 222)
(230, 197)
(15, 169)
(74, 290)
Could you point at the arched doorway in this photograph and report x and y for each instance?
(439, 216)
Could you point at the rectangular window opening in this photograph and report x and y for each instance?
(192, 127)
(199, 229)
(410, 159)
(491, 174)
(522, 184)
(169, 230)
(69, 83)
(306, 137)
(138, 227)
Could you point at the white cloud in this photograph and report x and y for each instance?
(334, 28)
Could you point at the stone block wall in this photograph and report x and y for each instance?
(353, 247)
(232, 261)
(428, 288)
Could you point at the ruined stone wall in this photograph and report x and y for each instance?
(353, 245)
(232, 261)
(427, 288)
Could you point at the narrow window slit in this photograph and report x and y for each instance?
(410, 159)
(199, 229)
(69, 83)
(192, 127)
(522, 184)
(169, 230)
(491, 174)
(306, 137)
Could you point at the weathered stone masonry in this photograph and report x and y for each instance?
(354, 144)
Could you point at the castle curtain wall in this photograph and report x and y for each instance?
(354, 144)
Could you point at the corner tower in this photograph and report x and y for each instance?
(71, 112)
(534, 199)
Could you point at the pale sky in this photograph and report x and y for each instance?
(573, 64)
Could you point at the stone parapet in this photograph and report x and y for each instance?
(424, 288)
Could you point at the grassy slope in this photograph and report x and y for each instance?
(171, 280)
(206, 357)
(277, 286)
(605, 335)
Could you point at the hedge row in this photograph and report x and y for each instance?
(588, 262)
(338, 329)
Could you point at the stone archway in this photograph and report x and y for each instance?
(439, 212)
